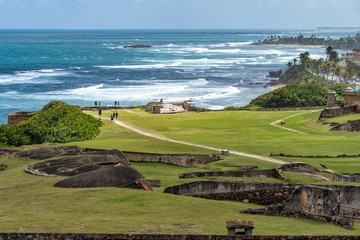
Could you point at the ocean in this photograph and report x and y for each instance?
(211, 68)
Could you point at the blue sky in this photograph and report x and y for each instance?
(178, 14)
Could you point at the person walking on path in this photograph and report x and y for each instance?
(116, 114)
(99, 113)
(112, 117)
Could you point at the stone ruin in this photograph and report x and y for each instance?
(85, 168)
(18, 117)
(315, 202)
(351, 104)
(166, 107)
(349, 126)
(241, 172)
(332, 203)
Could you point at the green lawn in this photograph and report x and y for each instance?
(31, 204)
(251, 132)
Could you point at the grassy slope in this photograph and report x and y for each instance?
(30, 203)
(250, 131)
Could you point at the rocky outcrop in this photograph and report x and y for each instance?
(275, 74)
(47, 153)
(120, 176)
(71, 160)
(349, 126)
(138, 46)
(87, 168)
(74, 165)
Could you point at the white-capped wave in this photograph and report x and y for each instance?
(135, 66)
(118, 47)
(144, 92)
(232, 44)
(199, 82)
(35, 76)
(223, 92)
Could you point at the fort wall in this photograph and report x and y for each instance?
(18, 117)
(96, 236)
(186, 160)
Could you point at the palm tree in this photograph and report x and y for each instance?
(328, 51)
(289, 65)
(295, 61)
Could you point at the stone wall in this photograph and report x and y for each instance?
(352, 99)
(297, 166)
(315, 202)
(336, 112)
(261, 193)
(271, 173)
(254, 192)
(186, 160)
(342, 177)
(97, 236)
(5, 152)
(18, 117)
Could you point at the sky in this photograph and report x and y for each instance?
(178, 14)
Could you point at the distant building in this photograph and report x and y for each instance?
(356, 55)
(166, 107)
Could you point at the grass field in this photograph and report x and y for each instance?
(31, 204)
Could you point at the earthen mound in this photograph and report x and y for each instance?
(73, 165)
(298, 167)
(47, 153)
(120, 176)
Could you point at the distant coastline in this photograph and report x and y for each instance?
(321, 28)
(290, 45)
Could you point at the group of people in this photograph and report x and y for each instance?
(114, 115)
(116, 103)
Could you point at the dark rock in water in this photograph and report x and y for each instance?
(46, 153)
(275, 74)
(349, 126)
(120, 176)
(138, 46)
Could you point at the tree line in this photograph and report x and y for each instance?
(345, 43)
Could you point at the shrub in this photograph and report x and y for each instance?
(55, 122)
(293, 95)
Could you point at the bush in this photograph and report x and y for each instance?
(293, 95)
(55, 122)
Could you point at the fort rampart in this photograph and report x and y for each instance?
(186, 160)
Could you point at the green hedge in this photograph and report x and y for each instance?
(55, 122)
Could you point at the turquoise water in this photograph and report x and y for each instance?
(213, 68)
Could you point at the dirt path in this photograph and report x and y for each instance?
(195, 145)
(129, 111)
(285, 128)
